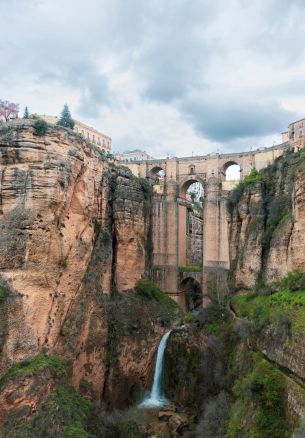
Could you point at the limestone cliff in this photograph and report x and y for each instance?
(69, 219)
(267, 223)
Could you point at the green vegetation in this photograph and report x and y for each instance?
(294, 281)
(41, 127)
(214, 319)
(190, 268)
(65, 415)
(283, 309)
(30, 366)
(4, 289)
(258, 410)
(188, 317)
(145, 187)
(237, 193)
(149, 291)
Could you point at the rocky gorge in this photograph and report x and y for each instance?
(81, 322)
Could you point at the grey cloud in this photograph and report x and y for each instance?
(171, 49)
(229, 119)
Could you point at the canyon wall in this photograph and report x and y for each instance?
(267, 223)
(70, 221)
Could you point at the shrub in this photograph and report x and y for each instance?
(188, 317)
(212, 318)
(148, 290)
(214, 416)
(259, 409)
(243, 328)
(294, 280)
(145, 187)
(152, 299)
(41, 127)
(283, 324)
(260, 318)
(4, 289)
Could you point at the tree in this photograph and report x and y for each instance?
(26, 114)
(41, 127)
(8, 110)
(65, 118)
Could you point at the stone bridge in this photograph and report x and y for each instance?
(169, 235)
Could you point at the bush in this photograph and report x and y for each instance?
(148, 290)
(283, 325)
(188, 317)
(243, 328)
(4, 289)
(259, 409)
(145, 187)
(212, 318)
(41, 127)
(152, 299)
(260, 318)
(214, 416)
(294, 281)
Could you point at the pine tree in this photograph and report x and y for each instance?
(65, 118)
(26, 114)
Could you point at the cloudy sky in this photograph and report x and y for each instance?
(169, 76)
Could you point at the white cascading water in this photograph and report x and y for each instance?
(157, 397)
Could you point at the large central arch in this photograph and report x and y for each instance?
(188, 219)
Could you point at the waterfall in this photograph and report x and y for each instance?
(157, 397)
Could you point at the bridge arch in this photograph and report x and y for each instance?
(231, 170)
(190, 294)
(187, 182)
(156, 173)
(190, 221)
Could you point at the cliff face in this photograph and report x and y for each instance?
(267, 223)
(66, 215)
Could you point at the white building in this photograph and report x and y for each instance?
(89, 133)
(135, 155)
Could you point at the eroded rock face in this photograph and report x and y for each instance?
(67, 218)
(256, 254)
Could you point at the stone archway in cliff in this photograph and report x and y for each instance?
(157, 174)
(190, 217)
(231, 171)
(190, 294)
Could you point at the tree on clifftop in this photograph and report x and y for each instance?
(65, 118)
(26, 114)
(8, 110)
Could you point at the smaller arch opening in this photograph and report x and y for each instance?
(157, 174)
(191, 294)
(192, 190)
(232, 171)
